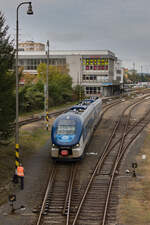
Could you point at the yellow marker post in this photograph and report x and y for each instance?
(17, 161)
(47, 120)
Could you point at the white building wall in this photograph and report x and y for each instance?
(73, 61)
(92, 79)
(118, 71)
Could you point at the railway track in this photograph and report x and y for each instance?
(54, 114)
(57, 200)
(65, 203)
(38, 118)
(104, 180)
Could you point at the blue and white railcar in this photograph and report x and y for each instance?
(71, 131)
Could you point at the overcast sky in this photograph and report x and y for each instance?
(122, 26)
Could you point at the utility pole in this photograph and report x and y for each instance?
(141, 69)
(80, 78)
(46, 87)
(134, 66)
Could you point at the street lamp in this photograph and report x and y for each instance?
(29, 12)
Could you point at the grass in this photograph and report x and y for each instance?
(30, 142)
(134, 206)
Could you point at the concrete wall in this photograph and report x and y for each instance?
(73, 61)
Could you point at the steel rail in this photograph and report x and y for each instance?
(67, 204)
(99, 164)
(50, 182)
(122, 139)
(119, 157)
(32, 120)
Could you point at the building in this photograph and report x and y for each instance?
(96, 70)
(31, 46)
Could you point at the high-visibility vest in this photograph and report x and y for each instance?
(20, 171)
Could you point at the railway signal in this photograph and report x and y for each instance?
(134, 166)
(12, 199)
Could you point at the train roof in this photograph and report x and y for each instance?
(80, 111)
(78, 108)
(82, 106)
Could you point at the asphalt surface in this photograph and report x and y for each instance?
(36, 171)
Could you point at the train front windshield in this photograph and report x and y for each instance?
(66, 127)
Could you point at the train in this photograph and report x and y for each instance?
(71, 131)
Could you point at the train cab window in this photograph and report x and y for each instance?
(66, 127)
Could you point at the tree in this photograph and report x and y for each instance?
(78, 92)
(59, 83)
(7, 82)
(31, 97)
(60, 88)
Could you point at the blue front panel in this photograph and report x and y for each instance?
(66, 139)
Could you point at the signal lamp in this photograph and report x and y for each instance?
(64, 152)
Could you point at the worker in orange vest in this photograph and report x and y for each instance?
(20, 173)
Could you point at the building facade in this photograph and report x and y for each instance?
(95, 70)
(31, 46)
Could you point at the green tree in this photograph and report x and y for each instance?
(41, 69)
(59, 83)
(60, 88)
(31, 97)
(78, 92)
(7, 82)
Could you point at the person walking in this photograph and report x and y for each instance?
(20, 174)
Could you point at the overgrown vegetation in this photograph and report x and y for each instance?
(59, 87)
(7, 82)
(135, 204)
(29, 142)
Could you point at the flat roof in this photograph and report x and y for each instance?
(67, 53)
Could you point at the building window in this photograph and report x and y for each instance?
(89, 77)
(97, 63)
(93, 90)
(118, 78)
(106, 67)
(83, 77)
(118, 71)
(31, 64)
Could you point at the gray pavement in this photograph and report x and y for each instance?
(36, 175)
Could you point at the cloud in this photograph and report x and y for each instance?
(120, 25)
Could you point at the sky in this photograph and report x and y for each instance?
(121, 26)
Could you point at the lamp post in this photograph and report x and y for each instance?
(46, 87)
(29, 12)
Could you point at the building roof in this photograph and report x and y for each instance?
(68, 53)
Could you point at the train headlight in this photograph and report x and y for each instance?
(77, 146)
(54, 146)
